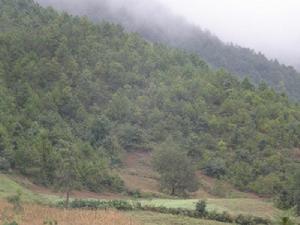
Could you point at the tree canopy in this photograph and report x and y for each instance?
(177, 174)
(67, 83)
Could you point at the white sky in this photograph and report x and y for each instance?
(269, 26)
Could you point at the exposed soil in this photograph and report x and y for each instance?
(138, 174)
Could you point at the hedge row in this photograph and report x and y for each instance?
(213, 215)
(203, 213)
(97, 204)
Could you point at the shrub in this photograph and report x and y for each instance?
(97, 204)
(134, 193)
(215, 168)
(251, 220)
(4, 164)
(50, 222)
(201, 208)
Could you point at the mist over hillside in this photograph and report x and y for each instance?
(157, 24)
(77, 97)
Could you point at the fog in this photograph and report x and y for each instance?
(269, 26)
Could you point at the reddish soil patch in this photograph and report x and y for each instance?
(296, 154)
(138, 173)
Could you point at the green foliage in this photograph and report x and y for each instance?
(241, 62)
(221, 217)
(67, 177)
(75, 95)
(198, 212)
(201, 208)
(215, 168)
(4, 164)
(286, 218)
(94, 204)
(289, 196)
(177, 174)
(50, 222)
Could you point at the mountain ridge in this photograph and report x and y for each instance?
(157, 24)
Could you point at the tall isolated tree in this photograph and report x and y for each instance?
(177, 174)
(67, 174)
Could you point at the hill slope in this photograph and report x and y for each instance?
(76, 95)
(157, 24)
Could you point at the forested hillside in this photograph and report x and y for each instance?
(157, 24)
(75, 96)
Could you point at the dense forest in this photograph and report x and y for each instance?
(73, 92)
(157, 24)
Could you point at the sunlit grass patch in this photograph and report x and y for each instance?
(255, 207)
(151, 218)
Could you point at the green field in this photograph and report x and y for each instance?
(9, 187)
(150, 218)
(254, 207)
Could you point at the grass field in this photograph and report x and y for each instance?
(9, 187)
(254, 207)
(150, 218)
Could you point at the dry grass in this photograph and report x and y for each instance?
(37, 215)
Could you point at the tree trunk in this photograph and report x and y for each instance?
(173, 191)
(67, 199)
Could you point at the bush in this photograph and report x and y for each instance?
(221, 217)
(4, 164)
(251, 220)
(94, 204)
(215, 168)
(199, 212)
(201, 208)
(50, 222)
(134, 193)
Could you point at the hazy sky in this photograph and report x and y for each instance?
(270, 26)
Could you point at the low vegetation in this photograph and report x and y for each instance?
(9, 187)
(244, 206)
(151, 218)
(199, 211)
(190, 211)
(38, 215)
